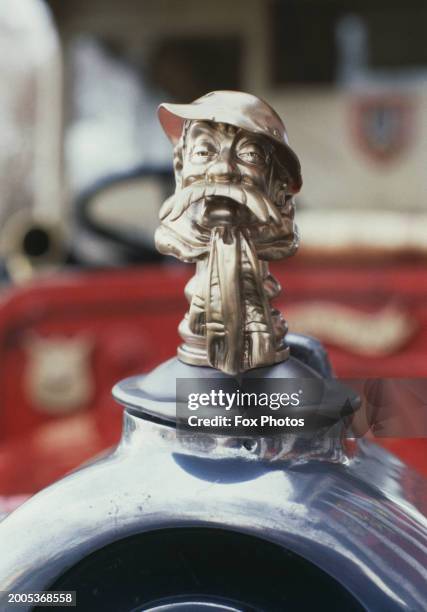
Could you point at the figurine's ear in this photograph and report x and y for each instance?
(178, 163)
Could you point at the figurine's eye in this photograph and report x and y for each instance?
(252, 153)
(203, 152)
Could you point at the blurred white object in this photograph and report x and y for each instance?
(31, 188)
(114, 125)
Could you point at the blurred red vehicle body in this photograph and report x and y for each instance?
(127, 320)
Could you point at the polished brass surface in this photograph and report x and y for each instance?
(231, 213)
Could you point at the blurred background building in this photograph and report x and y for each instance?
(348, 77)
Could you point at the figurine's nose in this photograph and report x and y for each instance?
(223, 169)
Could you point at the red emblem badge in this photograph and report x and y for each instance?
(383, 125)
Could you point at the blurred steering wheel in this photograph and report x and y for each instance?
(116, 218)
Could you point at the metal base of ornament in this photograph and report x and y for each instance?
(154, 394)
(155, 397)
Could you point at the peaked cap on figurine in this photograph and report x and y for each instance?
(236, 108)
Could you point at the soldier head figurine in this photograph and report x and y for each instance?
(231, 213)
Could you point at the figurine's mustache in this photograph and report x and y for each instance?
(258, 203)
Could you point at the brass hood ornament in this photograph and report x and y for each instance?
(231, 213)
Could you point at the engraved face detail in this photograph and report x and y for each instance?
(228, 170)
(217, 152)
(227, 163)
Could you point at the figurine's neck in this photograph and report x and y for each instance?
(230, 324)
